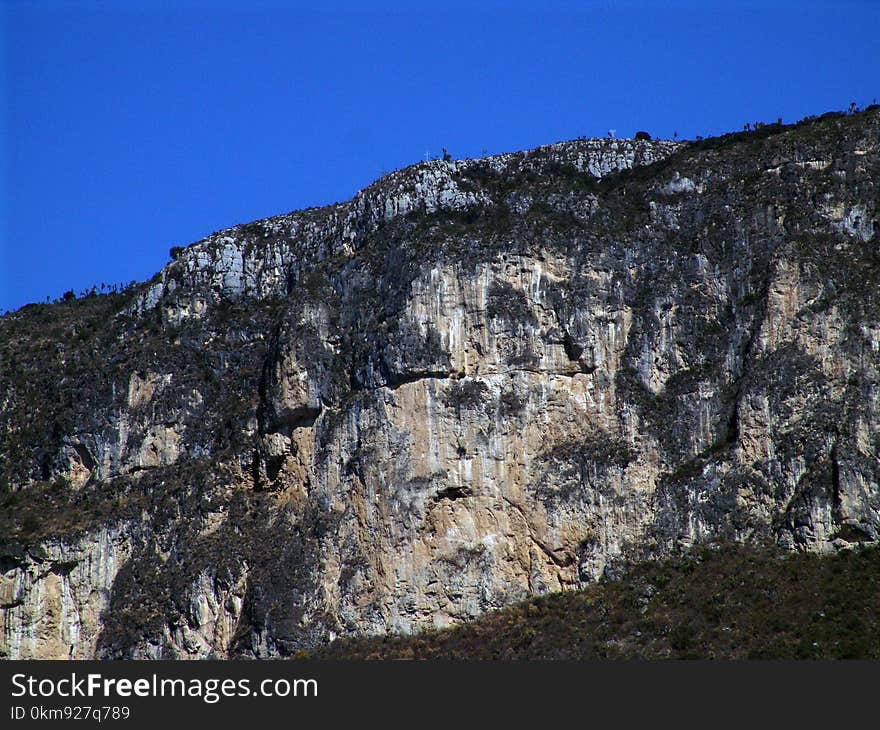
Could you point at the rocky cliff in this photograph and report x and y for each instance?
(477, 381)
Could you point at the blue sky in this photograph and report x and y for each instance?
(131, 127)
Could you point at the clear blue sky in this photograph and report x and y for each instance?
(131, 127)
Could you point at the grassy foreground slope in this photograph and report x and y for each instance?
(722, 602)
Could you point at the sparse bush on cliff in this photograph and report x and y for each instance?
(465, 394)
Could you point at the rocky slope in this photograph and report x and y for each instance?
(475, 382)
(714, 602)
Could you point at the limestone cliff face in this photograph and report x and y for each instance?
(476, 381)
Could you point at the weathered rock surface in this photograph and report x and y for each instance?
(476, 381)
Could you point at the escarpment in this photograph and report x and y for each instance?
(477, 381)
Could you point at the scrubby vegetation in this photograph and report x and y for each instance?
(718, 602)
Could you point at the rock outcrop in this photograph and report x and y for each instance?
(476, 381)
